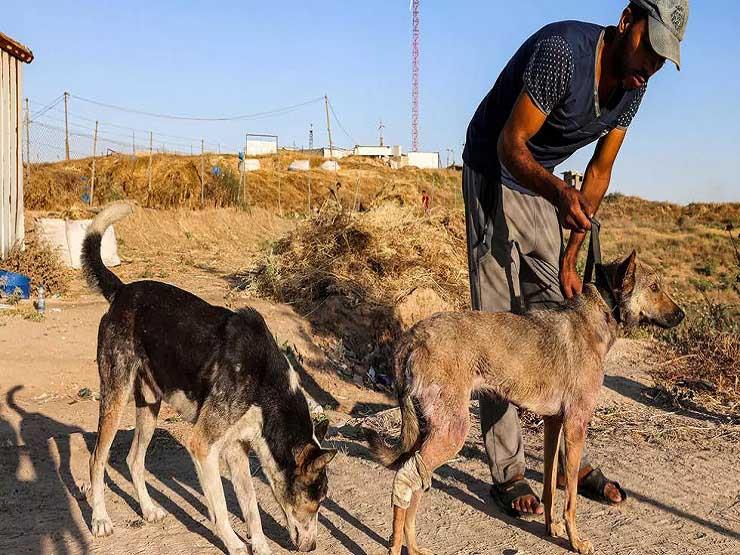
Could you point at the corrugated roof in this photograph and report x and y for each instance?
(15, 49)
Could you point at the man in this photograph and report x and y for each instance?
(570, 84)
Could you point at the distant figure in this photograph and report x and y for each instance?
(335, 193)
(425, 201)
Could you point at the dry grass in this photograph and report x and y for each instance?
(176, 183)
(39, 262)
(370, 257)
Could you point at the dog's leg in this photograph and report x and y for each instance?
(112, 404)
(205, 456)
(238, 461)
(574, 435)
(553, 525)
(146, 422)
(444, 441)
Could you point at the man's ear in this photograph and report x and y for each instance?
(625, 281)
(320, 429)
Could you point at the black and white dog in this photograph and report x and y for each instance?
(224, 372)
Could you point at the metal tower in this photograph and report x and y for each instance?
(415, 76)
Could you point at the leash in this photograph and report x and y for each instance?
(594, 252)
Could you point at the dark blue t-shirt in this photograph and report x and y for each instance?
(556, 66)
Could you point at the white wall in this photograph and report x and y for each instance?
(11, 162)
(373, 151)
(424, 160)
(256, 147)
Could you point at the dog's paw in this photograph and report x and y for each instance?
(83, 488)
(556, 529)
(102, 527)
(583, 547)
(260, 547)
(154, 513)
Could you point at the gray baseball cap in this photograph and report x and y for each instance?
(667, 25)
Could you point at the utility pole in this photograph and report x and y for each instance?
(149, 171)
(133, 143)
(328, 126)
(66, 127)
(202, 173)
(380, 128)
(310, 137)
(28, 141)
(92, 181)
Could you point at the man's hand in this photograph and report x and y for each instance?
(570, 281)
(574, 210)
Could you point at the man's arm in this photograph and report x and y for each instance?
(525, 121)
(595, 183)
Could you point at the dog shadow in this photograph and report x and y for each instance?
(655, 398)
(471, 490)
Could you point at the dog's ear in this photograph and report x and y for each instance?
(320, 429)
(625, 281)
(324, 458)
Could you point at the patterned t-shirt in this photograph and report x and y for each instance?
(556, 66)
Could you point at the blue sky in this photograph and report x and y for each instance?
(225, 58)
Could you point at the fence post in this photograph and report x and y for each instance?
(149, 171)
(28, 142)
(202, 173)
(280, 194)
(92, 180)
(309, 194)
(357, 190)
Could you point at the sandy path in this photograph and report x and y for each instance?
(681, 472)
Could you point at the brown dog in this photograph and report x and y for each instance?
(550, 362)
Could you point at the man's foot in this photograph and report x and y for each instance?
(593, 484)
(516, 498)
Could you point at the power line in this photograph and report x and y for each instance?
(340, 125)
(48, 107)
(257, 115)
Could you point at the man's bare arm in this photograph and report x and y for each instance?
(525, 121)
(595, 184)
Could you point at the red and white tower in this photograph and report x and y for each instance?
(415, 76)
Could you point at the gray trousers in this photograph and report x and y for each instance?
(514, 247)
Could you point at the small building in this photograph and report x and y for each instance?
(336, 152)
(424, 160)
(573, 178)
(12, 57)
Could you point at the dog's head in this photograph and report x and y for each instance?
(307, 490)
(635, 293)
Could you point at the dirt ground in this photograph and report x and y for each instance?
(681, 470)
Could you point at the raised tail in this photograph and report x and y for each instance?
(98, 276)
(388, 454)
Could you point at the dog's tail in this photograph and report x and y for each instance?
(97, 275)
(387, 454)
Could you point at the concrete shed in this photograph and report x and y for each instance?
(12, 57)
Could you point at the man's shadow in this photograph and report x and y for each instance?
(33, 488)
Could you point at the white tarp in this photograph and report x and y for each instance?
(299, 166)
(249, 165)
(66, 238)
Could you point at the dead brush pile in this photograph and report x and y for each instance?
(41, 263)
(704, 370)
(367, 260)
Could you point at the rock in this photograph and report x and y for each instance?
(299, 166)
(419, 304)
